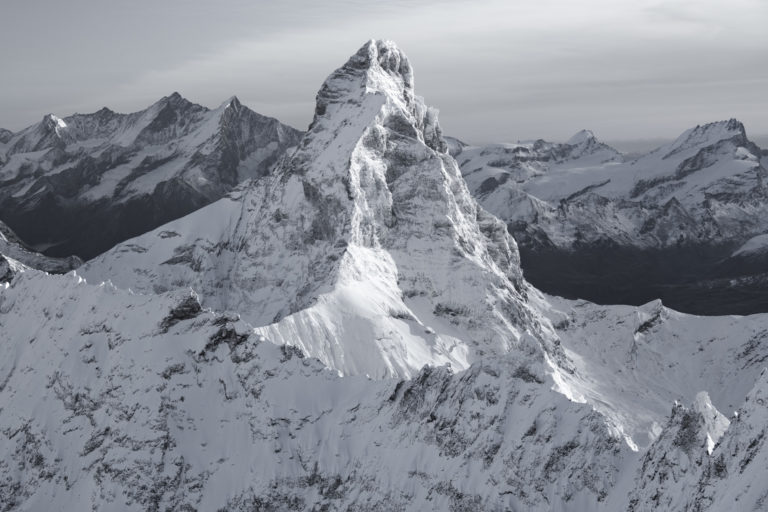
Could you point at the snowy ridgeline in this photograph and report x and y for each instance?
(79, 185)
(708, 186)
(361, 258)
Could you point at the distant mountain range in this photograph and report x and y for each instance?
(594, 224)
(80, 184)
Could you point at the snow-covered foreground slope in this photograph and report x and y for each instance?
(80, 184)
(118, 401)
(364, 247)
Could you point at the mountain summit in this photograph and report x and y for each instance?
(364, 247)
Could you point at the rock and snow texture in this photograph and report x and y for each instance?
(706, 186)
(596, 225)
(80, 184)
(364, 247)
(631, 363)
(118, 401)
(13, 249)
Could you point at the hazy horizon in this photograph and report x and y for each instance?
(496, 70)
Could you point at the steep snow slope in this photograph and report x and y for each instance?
(85, 182)
(364, 247)
(632, 363)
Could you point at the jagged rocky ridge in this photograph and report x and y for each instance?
(155, 402)
(595, 225)
(81, 184)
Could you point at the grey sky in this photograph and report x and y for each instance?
(497, 70)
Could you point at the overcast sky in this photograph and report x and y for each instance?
(497, 70)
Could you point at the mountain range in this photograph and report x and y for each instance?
(80, 184)
(669, 224)
(351, 330)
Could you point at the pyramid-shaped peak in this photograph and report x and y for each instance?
(718, 129)
(351, 221)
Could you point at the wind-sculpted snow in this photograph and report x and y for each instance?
(80, 184)
(363, 247)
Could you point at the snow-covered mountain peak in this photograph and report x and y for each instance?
(364, 246)
(54, 122)
(108, 176)
(377, 72)
(383, 60)
(705, 135)
(232, 102)
(581, 137)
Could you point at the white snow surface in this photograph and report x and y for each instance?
(121, 401)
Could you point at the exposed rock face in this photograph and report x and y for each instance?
(364, 247)
(81, 184)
